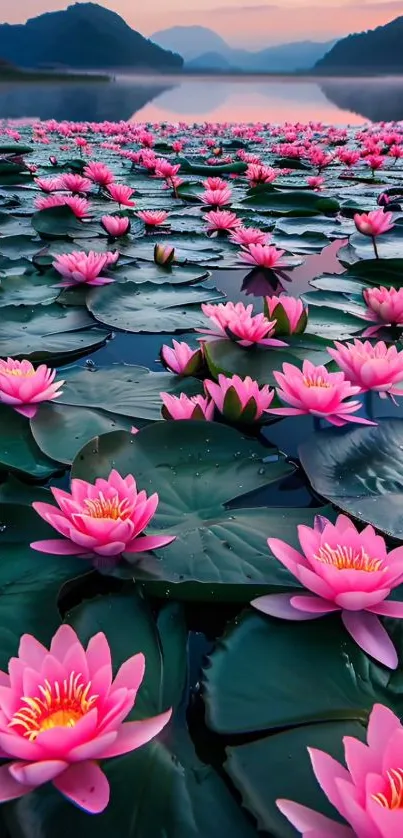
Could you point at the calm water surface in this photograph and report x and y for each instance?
(237, 99)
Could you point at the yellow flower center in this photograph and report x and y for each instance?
(59, 704)
(18, 372)
(347, 558)
(316, 381)
(102, 507)
(392, 797)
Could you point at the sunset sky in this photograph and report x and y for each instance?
(242, 22)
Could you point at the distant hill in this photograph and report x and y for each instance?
(201, 48)
(379, 50)
(84, 36)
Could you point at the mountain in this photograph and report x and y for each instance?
(201, 48)
(84, 36)
(376, 51)
(190, 41)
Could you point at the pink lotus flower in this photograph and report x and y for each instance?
(239, 399)
(164, 255)
(23, 387)
(102, 519)
(368, 794)
(121, 194)
(262, 256)
(80, 267)
(249, 235)
(115, 225)
(236, 322)
(48, 184)
(260, 174)
(164, 168)
(99, 173)
(348, 156)
(214, 183)
(315, 391)
(384, 306)
(375, 162)
(370, 367)
(374, 223)
(316, 182)
(187, 407)
(182, 359)
(75, 183)
(217, 197)
(79, 206)
(221, 220)
(153, 218)
(344, 570)
(61, 712)
(290, 314)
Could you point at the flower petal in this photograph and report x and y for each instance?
(371, 636)
(307, 821)
(10, 789)
(279, 605)
(86, 786)
(132, 735)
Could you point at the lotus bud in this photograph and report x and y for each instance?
(239, 399)
(182, 359)
(164, 255)
(289, 312)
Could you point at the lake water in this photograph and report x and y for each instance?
(237, 99)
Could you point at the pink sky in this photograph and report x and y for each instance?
(241, 22)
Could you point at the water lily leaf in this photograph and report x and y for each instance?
(14, 247)
(360, 470)
(266, 663)
(177, 275)
(18, 449)
(26, 289)
(291, 203)
(189, 167)
(389, 245)
(123, 389)
(50, 332)
(151, 308)
(60, 222)
(197, 468)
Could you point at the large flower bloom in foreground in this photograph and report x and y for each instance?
(262, 256)
(373, 223)
(80, 267)
(316, 391)
(377, 367)
(234, 321)
(187, 407)
(61, 712)
(290, 314)
(368, 794)
(239, 399)
(344, 570)
(23, 387)
(101, 519)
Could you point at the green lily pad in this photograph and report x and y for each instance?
(26, 289)
(123, 389)
(18, 450)
(60, 222)
(151, 308)
(177, 275)
(360, 470)
(47, 332)
(270, 664)
(227, 357)
(298, 203)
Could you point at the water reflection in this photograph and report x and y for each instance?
(243, 99)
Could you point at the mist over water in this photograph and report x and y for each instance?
(217, 99)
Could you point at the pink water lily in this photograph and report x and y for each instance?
(181, 358)
(48, 184)
(235, 321)
(374, 224)
(79, 267)
(343, 570)
(164, 255)
(314, 390)
(221, 221)
(61, 712)
(290, 314)
(249, 235)
(187, 407)
(99, 173)
(116, 225)
(121, 194)
(377, 367)
(23, 387)
(262, 256)
(105, 518)
(239, 399)
(153, 218)
(217, 197)
(75, 183)
(384, 306)
(79, 206)
(368, 793)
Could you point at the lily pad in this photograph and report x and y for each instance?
(26, 289)
(47, 332)
(60, 222)
(151, 308)
(18, 450)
